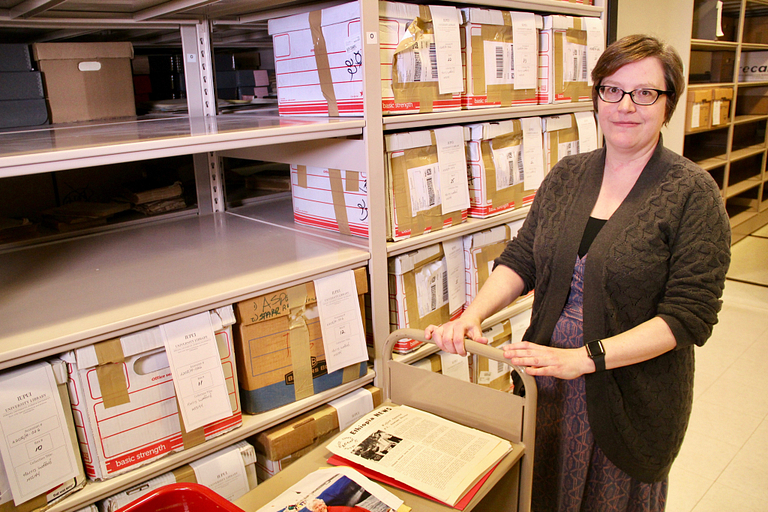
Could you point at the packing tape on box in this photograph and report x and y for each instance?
(189, 438)
(301, 176)
(321, 59)
(352, 181)
(339, 203)
(301, 357)
(109, 373)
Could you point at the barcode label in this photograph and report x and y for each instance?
(430, 191)
(499, 62)
(584, 68)
(520, 169)
(445, 287)
(500, 367)
(424, 184)
(433, 294)
(433, 60)
(417, 67)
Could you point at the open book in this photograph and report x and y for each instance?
(440, 458)
(336, 490)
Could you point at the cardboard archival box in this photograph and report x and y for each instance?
(563, 66)
(721, 105)
(754, 67)
(86, 81)
(561, 138)
(406, 50)
(698, 113)
(755, 29)
(185, 473)
(480, 251)
(418, 292)
(487, 372)
(124, 399)
(45, 500)
(283, 444)
(752, 101)
(432, 363)
(318, 62)
(272, 332)
(487, 38)
(331, 199)
(407, 153)
(492, 189)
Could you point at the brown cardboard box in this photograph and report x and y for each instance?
(279, 446)
(268, 341)
(721, 105)
(405, 152)
(755, 29)
(86, 81)
(722, 66)
(490, 373)
(561, 135)
(698, 110)
(556, 83)
(752, 101)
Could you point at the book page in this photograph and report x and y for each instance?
(433, 455)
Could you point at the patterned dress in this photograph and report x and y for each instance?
(571, 474)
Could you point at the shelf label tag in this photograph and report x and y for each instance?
(340, 320)
(445, 21)
(352, 406)
(452, 158)
(198, 378)
(595, 44)
(533, 152)
(35, 444)
(587, 131)
(454, 259)
(524, 50)
(223, 472)
(455, 366)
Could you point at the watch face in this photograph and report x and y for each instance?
(595, 348)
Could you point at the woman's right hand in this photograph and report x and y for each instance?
(450, 336)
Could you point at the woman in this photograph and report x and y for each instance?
(627, 248)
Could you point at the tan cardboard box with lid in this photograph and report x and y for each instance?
(564, 62)
(86, 81)
(279, 347)
(721, 105)
(752, 101)
(698, 114)
(281, 445)
(44, 500)
(487, 372)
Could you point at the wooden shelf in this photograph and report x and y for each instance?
(62, 147)
(72, 293)
(706, 44)
(252, 424)
(742, 186)
(743, 153)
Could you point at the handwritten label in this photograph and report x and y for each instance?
(533, 152)
(352, 406)
(198, 378)
(445, 20)
(524, 49)
(340, 320)
(451, 155)
(223, 472)
(454, 258)
(34, 441)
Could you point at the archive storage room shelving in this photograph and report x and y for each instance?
(61, 292)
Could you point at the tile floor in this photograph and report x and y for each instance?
(723, 464)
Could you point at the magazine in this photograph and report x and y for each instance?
(437, 457)
(339, 489)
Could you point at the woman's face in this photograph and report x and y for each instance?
(631, 128)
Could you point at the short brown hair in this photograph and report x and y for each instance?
(637, 47)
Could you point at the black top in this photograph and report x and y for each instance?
(590, 232)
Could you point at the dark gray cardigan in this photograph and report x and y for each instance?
(664, 252)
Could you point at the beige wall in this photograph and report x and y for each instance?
(671, 21)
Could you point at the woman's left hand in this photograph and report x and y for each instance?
(563, 363)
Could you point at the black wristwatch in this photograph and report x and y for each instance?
(596, 352)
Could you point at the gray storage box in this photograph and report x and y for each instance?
(24, 85)
(15, 57)
(21, 113)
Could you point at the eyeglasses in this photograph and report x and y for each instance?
(643, 97)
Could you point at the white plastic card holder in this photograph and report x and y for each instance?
(350, 407)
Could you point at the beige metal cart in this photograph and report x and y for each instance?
(503, 414)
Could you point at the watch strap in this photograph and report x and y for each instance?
(596, 352)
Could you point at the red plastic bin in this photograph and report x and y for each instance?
(181, 497)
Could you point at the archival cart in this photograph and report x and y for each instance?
(503, 414)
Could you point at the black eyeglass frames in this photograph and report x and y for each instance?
(645, 97)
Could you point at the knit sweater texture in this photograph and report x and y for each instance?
(664, 252)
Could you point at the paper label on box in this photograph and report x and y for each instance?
(223, 472)
(424, 183)
(354, 60)
(525, 56)
(340, 320)
(445, 22)
(499, 63)
(431, 287)
(454, 258)
(716, 112)
(533, 152)
(198, 378)
(35, 445)
(695, 115)
(455, 366)
(595, 44)
(587, 131)
(350, 407)
(452, 155)
(508, 162)
(568, 148)
(574, 62)
(497, 368)
(419, 64)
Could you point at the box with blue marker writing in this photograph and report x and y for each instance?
(279, 347)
